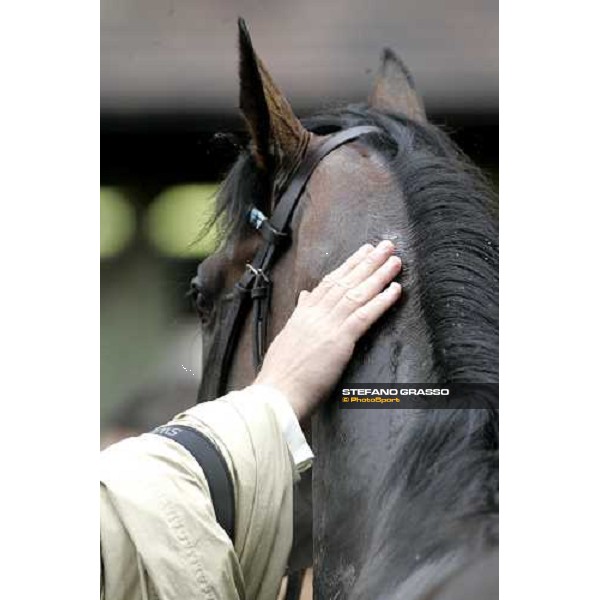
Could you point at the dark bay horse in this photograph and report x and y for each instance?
(405, 501)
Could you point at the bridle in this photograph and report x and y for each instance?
(255, 286)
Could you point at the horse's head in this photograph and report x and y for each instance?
(407, 183)
(351, 198)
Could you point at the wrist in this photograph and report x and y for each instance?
(289, 425)
(296, 400)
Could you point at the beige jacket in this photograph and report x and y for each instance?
(158, 532)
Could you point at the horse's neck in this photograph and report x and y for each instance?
(402, 353)
(363, 505)
(355, 447)
(434, 506)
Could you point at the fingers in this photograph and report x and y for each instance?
(364, 316)
(330, 279)
(368, 289)
(368, 265)
(351, 263)
(303, 297)
(363, 269)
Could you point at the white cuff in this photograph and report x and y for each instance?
(290, 427)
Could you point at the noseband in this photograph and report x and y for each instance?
(255, 286)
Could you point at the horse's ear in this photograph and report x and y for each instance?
(394, 90)
(278, 137)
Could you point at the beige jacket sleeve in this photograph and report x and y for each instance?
(158, 532)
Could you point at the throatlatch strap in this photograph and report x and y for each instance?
(215, 470)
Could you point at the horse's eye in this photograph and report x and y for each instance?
(204, 306)
(203, 300)
(207, 287)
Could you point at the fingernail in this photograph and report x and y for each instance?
(394, 288)
(393, 262)
(385, 245)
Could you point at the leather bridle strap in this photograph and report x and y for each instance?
(255, 285)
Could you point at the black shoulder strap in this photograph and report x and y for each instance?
(215, 470)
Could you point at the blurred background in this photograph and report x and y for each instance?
(168, 104)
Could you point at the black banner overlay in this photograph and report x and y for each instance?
(416, 395)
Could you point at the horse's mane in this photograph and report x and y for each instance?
(453, 231)
(437, 504)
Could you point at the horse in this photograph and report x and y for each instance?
(404, 502)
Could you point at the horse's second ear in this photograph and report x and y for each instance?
(278, 137)
(394, 90)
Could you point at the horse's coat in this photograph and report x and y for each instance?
(403, 500)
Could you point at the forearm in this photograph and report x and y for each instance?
(151, 480)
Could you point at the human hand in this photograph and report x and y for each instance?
(310, 353)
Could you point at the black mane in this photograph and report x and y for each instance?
(438, 502)
(453, 225)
